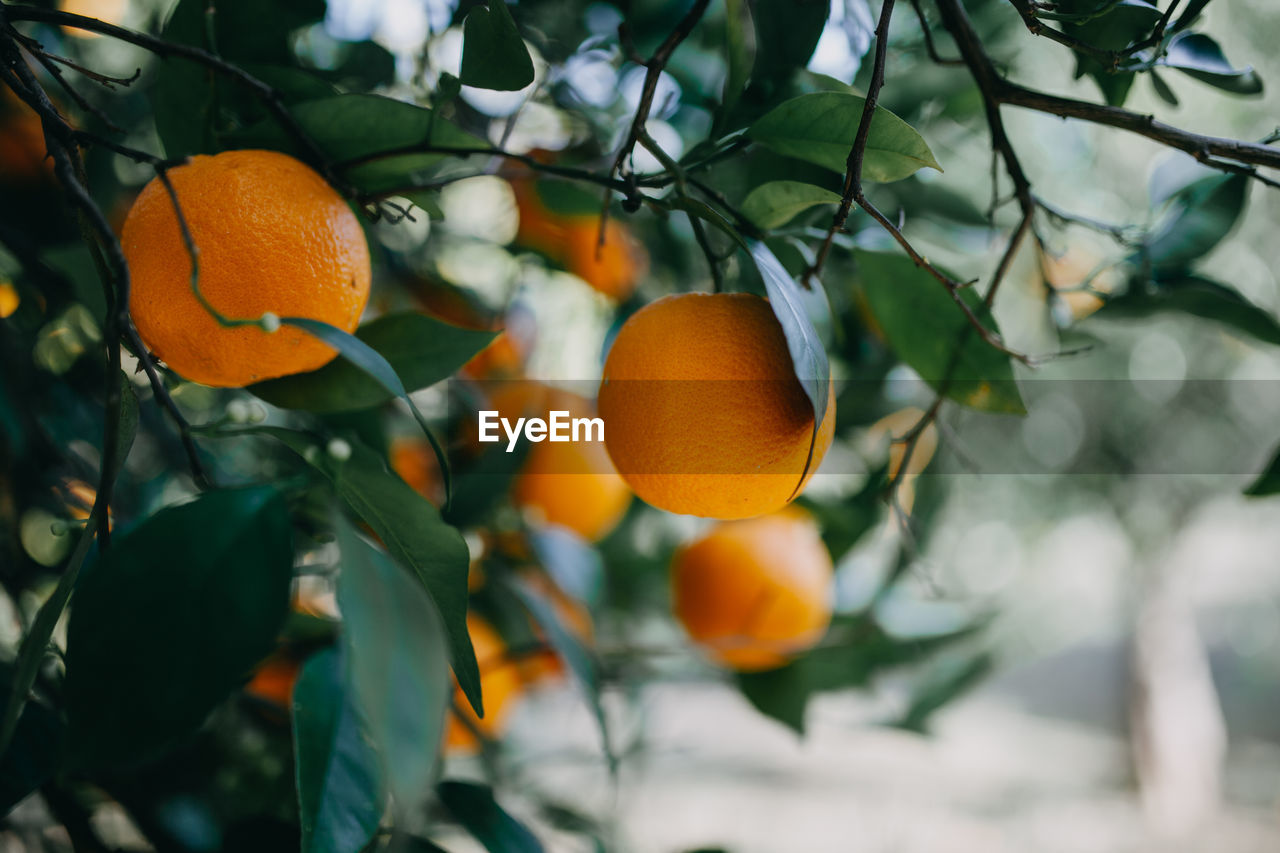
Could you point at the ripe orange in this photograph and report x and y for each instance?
(499, 684)
(755, 592)
(572, 484)
(23, 156)
(274, 679)
(272, 237)
(571, 240)
(703, 412)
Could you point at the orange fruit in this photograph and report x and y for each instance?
(23, 155)
(572, 240)
(274, 679)
(703, 412)
(499, 684)
(110, 11)
(615, 268)
(272, 237)
(571, 483)
(755, 592)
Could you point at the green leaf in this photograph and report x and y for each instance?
(485, 484)
(1122, 24)
(474, 807)
(33, 757)
(412, 531)
(31, 652)
(1200, 217)
(1199, 56)
(1268, 482)
(1201, 297)
(926, 329)
(776, 203)
(368, 361)
(396, 652)
(787, 31)
(171, 619)
(336, 770)
(705, 212)
(820, 128)
(493, 54)
(784, 693)
(420, 349)
(359, 127)
(948, 680)
(583, 665)
(789, 304)
(189, 100)
(740, 50)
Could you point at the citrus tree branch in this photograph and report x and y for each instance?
(853, 193)
(1003, 91)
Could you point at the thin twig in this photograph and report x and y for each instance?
(928, 38)
(653, 72)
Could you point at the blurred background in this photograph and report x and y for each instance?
(1081, 614)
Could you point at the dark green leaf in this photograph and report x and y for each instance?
(485, 484)
(421, 351)
(1200, 297)
(1122, 24)
(191, 599)
(1199, 56)
(740, 50)
(33, 757)
(366, 360)
(364, 128)
(412, 531)
(1163, 91)
(188, 98)
(335, 768)
(474, 807)
(820, 128)
(787, 31)
(926, 329)
(948, 680)
(865, 650)
(705, 212)
(791, 307)
(776, 203)
(32, 650)
(1189, 15)
(1201, 216)
(396, 652)
(493, 54)
(1268, 482)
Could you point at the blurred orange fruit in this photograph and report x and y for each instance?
(108, 11)
(703, 412)
(274, 679)
(572, 483)
(500, 683)
(24, 158)
(753, 593)
(9, 299)
(573, 242)
(272, 237)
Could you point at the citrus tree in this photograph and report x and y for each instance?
(278, 280)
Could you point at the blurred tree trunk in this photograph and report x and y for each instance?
(1178, 732)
